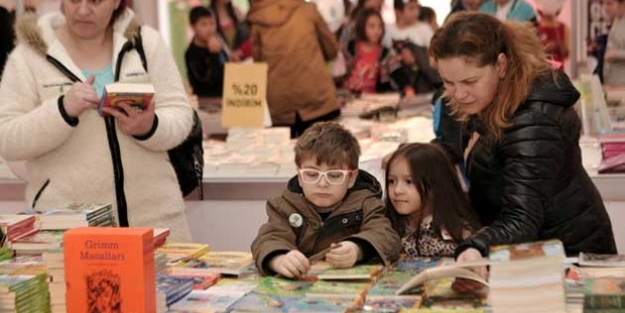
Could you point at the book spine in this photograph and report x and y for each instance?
(604, 302)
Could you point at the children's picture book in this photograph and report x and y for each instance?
(601, 260)
(390, 281)
(228, 262)
(177, 251)
(201, 281)
(324, 271)
(200, 301)
(109, 269)
(283, 287)
(416, 263)
(526, 251)
(174, 288)
(234, 286)
(138, 96)
(320, 305)
(450, 271)
(345, 289)
(263, 303)
(604, 293)
(390, 304)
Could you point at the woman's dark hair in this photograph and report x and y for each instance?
(199, 12)
(361, 24)
(400, 4)
(437, 182)
(231, 13)
(359, 9)
(426, 14)
(118, 12)
(481, 39)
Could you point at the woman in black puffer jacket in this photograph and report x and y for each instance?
(525, 168)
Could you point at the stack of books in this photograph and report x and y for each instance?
(604, 295)
(110, 269)
(77, 215)
(177, 252)
(55, 264)
(15, 226)
(160, 236)
(528, 277)
(170, 289)
(24, 293)
(37, 242)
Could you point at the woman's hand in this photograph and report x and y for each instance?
(466, 285)
(131, 121)
(81, 97)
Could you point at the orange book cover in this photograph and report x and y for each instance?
(138, 96)
(109, 269)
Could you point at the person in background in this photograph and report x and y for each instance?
(348, 32)
(329, 204)
(233, 28)
(614, 58)
(49, 96)
(205, 57)
(7, 36)
(428, 16)
(554, 35)
(369, 63)
(415, 74)
(510, 10)
(295, 42)
(426, 203)
(524, 160)
(407, 25)
(464, 5)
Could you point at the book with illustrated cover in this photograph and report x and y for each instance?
(228, 262)
(173, 288)
(324, 271)
(109, 269)
(283, 287)
(320, 305)
(416, 263)
(177, 251)
(138, 96)
(601, 260)
(14, 226)
(345, 289)
(449, 271)
(390, 281)
(201, 281)
(234, 286)
(604, 293)
(201, 301)
(390, 304)
(263, 303)
(39, 241)
(527, 251)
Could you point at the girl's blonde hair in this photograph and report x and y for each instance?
(481, 38)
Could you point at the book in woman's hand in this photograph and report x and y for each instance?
(137, 95)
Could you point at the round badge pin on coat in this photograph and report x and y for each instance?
(296, 220)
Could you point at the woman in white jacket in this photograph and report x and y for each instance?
(48, 115)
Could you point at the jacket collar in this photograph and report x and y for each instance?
(39, 34)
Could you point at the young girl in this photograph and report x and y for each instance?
(368, 61)
(232, 27)
(425, 201)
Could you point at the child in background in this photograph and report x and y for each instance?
(369, 63)
(407, 25)
(329, 202)
(425, 201)
(427, 15)
(205, 57)
(415, 75)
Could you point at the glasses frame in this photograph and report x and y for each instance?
(323, 174)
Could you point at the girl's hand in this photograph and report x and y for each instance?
(466, 285)
(345, 255)
(294, 264)
(81, 97)
(131, 121)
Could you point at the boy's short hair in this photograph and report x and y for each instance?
(330, 143)
(400, 4)
(199, 12)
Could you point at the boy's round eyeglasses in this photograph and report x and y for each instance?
(312, 176)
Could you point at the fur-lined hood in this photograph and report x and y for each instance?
(38, 32)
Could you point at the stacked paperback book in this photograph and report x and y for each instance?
(528, 277)
(613, 150)
(55, 265)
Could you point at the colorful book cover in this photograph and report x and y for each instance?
(416, 263)
(200, 301)
(201, 281)
(234, 286)
(263, 303)
(138, 96)
(228, 262)
(605, 293)
(459, 302)
(109, 269)
(390, 281)
(178, 251)
(324, 271)
(318, 305)
(345, 289)
(390, 304)
(283, 287)
(174, 288)
(525, 251)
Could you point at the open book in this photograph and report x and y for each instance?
(458, 270)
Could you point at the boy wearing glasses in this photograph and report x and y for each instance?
(330, 204)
